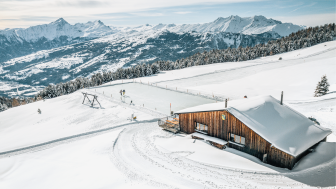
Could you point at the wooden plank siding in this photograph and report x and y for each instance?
(254, 144)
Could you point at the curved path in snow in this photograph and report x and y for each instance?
(137, 156)
(55, 142)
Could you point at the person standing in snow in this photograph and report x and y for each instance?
(131, 102)
(124, 91)
(120, 92)
(39, 111)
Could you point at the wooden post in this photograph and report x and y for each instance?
(92, 101)
(225, 103)
(281, 98)
(84, 97)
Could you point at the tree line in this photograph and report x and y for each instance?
(298, 40)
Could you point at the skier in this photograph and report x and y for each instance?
(120, 92)
(124, 91)
(245, 96)
(131, 102)
(39, 111)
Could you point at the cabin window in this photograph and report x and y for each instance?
(201, 128)
(237, 139)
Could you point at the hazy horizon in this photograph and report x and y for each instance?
(23, 14)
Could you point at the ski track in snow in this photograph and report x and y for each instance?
(136, 155)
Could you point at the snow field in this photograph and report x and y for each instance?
(61, 117)
(142, 155)
(297, 78)
(151, 97)
(146, 153)
(80, 164)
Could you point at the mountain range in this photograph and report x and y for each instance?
(34, 57)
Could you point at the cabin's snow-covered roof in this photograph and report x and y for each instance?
(283, 127)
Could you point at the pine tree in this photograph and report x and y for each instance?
(322, 87)
(149, 70)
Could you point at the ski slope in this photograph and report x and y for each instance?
(74, 145)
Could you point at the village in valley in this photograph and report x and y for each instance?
(244, 116)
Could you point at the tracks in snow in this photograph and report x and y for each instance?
(49, 144)
(136, 155)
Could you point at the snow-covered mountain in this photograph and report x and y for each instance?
(57, 29)
(233, 24)
(56, 52)
(19, 41)
(111, 52)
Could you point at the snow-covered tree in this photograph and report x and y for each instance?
(155, 68)
(322, 87)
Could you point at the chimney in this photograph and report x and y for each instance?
(225, 103)
(281, 98)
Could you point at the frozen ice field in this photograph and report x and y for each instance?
(73, 145)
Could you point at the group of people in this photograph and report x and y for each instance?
(122, 92)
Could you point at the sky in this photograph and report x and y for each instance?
(25, 13)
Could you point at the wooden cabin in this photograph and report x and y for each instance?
(260, 126)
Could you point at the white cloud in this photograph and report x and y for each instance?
(146, 14)
(186, 12)
(312, 4)
(310, 20)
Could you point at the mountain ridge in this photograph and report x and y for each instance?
(246, 25)
(58, 28)
(234, 24)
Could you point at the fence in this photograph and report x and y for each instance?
(209, 95)
(170, 123)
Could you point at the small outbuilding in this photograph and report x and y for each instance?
(260, 126)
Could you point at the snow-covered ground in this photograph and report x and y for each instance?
(73, 145)
(151, 97)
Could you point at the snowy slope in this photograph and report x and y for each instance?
(53, 122)
(141, 155)
(283, 73)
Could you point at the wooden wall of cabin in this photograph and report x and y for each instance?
(254, 144)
